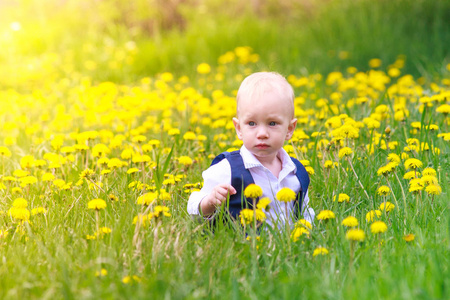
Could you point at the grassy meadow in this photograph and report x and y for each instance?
(110, 111)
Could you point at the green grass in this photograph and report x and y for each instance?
(181, 258)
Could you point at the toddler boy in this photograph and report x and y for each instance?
(264, 120)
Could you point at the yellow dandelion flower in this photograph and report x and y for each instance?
(443, 109)
(415, 187)
(104, 230)
(346, 151)
(304, 223)
(392, 157)
(260, 215)
(328, 164)
(298, 232)
(114, 163)
(428, 180)
(384, 170)
(409, 237)
(39, 163)
(48, 177)
(383, 190)
(139, 139)
(9, 178)
(388, 206)
(67, 149)
(87, 173)
(350, 221)
(132, 170)
(113, 197)
(371, 123)
(263, 203)
(342, 198)
(413, 163)
(38, 210)
(173, 131)
(20, 203)
(19, 213)
(371, 215)
(189, 136)
(5, 151)
(203, 68)
(164, 195)
(27, 180)
(185, 160)
(100, 150)
(27, 162)
(410, 175)
(126, 279)
(143, 219)
(246, 216)
(286, 195)
(320, 251)
(127, 153)
(253, 191)
(20, 173)
(310, 170)
(147, 198)
(169, 181)
(101, 273)
(375, 63)
(355, 235)
(16, 190)
(97, 204)
(326, 215)
(81, 147)
(378, 227)
(161, 210)
(429, 172)
(433, 189)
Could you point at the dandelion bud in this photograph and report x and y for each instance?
(387, 130)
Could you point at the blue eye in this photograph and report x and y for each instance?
(251, 123)
(272, 123)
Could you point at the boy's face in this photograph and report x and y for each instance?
(263, 124)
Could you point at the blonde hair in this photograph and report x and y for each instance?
(259, 83)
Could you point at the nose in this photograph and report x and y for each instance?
(262, 132)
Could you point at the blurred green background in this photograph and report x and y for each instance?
(123, 40)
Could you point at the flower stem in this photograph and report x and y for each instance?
(396, 203)
(97, 220)
(357, 178)
(403, 192)
(352, 249)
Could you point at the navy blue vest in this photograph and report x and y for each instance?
(241, 178)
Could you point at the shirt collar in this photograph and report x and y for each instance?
(250, 161)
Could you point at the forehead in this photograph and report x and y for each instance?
(270, 102)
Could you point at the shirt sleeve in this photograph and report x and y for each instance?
(219, 173)
(308, 212)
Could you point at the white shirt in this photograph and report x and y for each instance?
(220, 173)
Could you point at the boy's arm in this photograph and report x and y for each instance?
(215, 176)
(215, 199)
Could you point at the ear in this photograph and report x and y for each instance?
(291, 128)
(237, 126)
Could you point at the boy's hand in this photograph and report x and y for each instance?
(217, 196)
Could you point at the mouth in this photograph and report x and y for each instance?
(262, 146)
